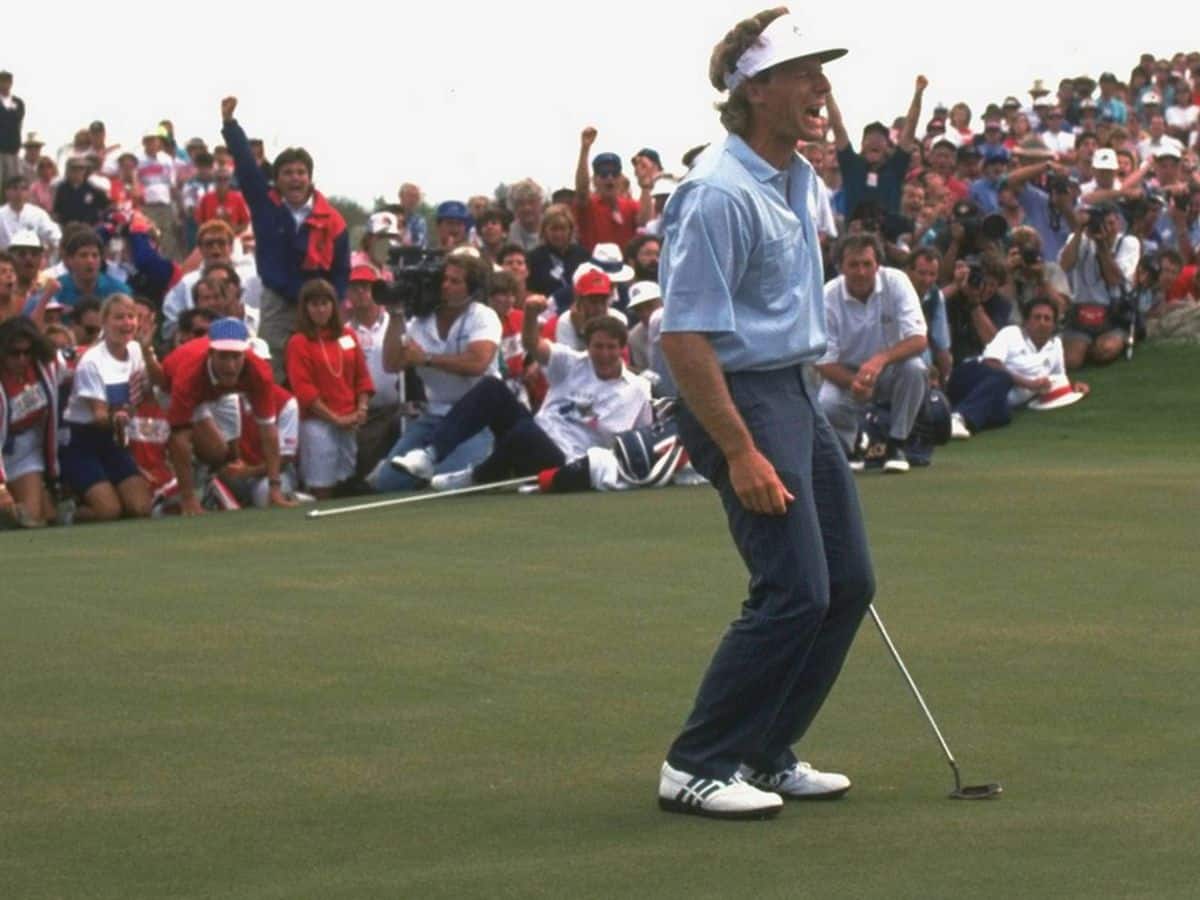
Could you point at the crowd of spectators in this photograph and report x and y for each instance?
(192, 326)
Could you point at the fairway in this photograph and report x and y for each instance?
(470, 698)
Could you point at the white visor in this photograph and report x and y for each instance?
(781, 41)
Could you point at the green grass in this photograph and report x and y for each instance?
(471, 698)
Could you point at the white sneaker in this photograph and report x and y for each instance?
(800, 782)
(417, 463)
(958, 427)
(452, 481)
(730, 799)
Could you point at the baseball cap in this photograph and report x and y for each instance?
(26, 237)
(995, 154)
(651, 155)
(785, 39)
(1167, 151)
(1105, 159)
(229, 334)
(386, 223)
(592, 282)
(643, 292)
(453, 209)
(363, 273)
(609, 162)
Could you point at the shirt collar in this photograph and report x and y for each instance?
(751, 161)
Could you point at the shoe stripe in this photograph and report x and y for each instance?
(698, 789)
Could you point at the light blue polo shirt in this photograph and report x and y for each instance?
(741, 260)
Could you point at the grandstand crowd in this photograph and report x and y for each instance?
(192, 326)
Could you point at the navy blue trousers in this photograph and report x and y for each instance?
(979, 393)
(521, 447)
(811, 580)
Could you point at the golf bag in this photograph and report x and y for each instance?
(931, 429)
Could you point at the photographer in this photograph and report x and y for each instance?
(452, 348)
(1031, 276)
(1100, 261)
(974, 305)
(1049, 210)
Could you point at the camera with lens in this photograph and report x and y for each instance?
(1095, 220)
(1182, 202)
(1030, 256)
(974, 273)
(417, 281)
(1057, 183)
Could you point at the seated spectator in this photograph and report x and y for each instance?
(18, 214)
(922, 270)
(453, 225)
(526, 201)
(645, 298)
(109, 382)
(199, 374)
(552, 264)
(876, 335)
(502, 298)
(76, 199)
(83, 256)
(452, 348)
(605, 216)
(593, 295)
(224, 202)
(370, 323)
(1100, 260)
(592, 398)
(31, 376)
(328, 373)
(1015, 367)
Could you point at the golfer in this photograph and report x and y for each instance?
(743, 315)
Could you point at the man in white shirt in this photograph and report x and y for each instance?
(215, 241)
(18, 214)
(875, 338)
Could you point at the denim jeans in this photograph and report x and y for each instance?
(419, 433)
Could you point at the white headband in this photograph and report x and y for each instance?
(780, 41)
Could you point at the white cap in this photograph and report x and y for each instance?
(643, 292)
(783, 40)
(26, 237)
(383, 223)
(1105, 160)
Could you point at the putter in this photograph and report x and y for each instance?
(380, 504)
(961, 791)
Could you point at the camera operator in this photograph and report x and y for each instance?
(1179, 225)
(452, 347)
(969, 234)
(975, 308)
(1031, 276)
(1049, 210)
(1100, 260)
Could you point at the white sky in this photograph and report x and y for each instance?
(461, 97)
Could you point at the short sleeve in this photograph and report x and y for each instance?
(484, 325)
(908, 307)
(833, 324)
(1000, 346)
(89, 383)
(562, 359)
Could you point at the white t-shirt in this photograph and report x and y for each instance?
(101, 376)
(582, 410)
(387, 384)
(157, 175)
(856, 331)
(1013, 349)
(478, 322)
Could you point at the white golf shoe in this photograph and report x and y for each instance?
(417, 463)
(715, 798)
(452, 481)
(799, 782)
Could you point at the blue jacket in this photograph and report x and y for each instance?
(288, 256)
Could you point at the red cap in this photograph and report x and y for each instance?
(363, 273)
(591, 283)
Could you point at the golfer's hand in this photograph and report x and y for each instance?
(275, 497)
(758, 485)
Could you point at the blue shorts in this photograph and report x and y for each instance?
(92, 456)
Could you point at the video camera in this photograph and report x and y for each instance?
(417, 280)
(977, 227)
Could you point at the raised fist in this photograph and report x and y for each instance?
(922, 82)
(535, 305)
(587, 137)
(228, 107)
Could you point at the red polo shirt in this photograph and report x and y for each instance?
(600, 223)
(232, 209)
(191, 382)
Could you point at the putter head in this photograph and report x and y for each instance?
(977, 791)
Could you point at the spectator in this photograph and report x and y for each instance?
(943, 159)
(960, 131)
(31, 156)
(645, 298)
(215, 241)
(452, 348)
(492, 230)
(370, 322)
(1157, 140)
(383, 232)
(1182, 115)
(592, 296)
(224, 202)
(12, 119)
(10, 304)
(18, 214)
(1100, 260)
(875, 338)
(592, 398)
(328, 373)
(985, 189)
(605, 217)
(200, 185)
(1049, 210)
(83, 256)
(515, 261)
(222, 287)
(453, 225)
(297, 234)
(527, 201)
(1110, 106)
(199, 375)
(415, 225)
(156, 175)
(1058, 137)
(1031, 276)
(109, 382)
(31, 376)
(76, 199)
(1016, 366)
(642, 255)
(922, 269)
(975, 307)
(43, 184)
(246, 476)
(552, 265)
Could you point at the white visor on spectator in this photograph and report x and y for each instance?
(783, 40)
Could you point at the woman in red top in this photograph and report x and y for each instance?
(328, 374)
(30, 375)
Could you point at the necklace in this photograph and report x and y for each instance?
(341, 359)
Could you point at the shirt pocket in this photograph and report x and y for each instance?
(777, 260)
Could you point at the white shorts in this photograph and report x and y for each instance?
(226, 414)
(328, 454)
(28, 454)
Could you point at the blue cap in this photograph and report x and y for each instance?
(229, 334)
(453, 209)
(606, 161)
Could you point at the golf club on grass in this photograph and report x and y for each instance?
(379, 504)
(961, 791)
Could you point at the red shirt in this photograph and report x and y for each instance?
(148, 433)
(191, 383)
(332, 371)
(232, 209)
(599, 223)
